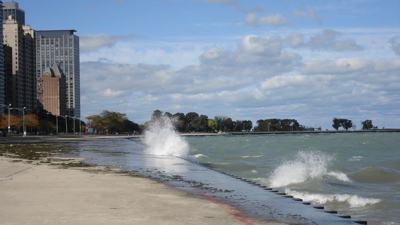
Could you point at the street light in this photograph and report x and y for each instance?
(66, 125)
(56, 124)
(23, 119)
(9, 108)
(73, 120)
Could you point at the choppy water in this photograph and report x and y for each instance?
(357, 173)
(353, 173)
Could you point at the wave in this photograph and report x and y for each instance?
(200, 156)
(375, 175)
(305, 166)
(352, 200)
(161, 139)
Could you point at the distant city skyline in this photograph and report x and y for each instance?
(248, 60)
(33, 52)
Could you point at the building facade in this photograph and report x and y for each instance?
(21, 91)
(12, 9)
(51, 91)
(2, 77)
(61, 47)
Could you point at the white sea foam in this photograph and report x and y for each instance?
(352, 200)
(200, 155)
(356, 158)
(305, 166)
(161, 138)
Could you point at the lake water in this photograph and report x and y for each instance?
(353, 173)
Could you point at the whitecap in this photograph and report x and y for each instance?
(352, 200)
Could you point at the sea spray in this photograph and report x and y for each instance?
(161, 138)
(352, 200)
(305, 166)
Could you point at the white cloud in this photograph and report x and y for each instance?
(328, 40)
(395, 42)
(277, 19)
(92, 42)
(308, 14)
(258, 79)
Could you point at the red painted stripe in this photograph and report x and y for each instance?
(237, 216)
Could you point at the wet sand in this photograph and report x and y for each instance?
(55, 191)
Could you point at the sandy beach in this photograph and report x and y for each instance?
(38, 192)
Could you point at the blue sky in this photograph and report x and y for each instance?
(309, 60)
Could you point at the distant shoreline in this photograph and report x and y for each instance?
(34, 139)
(290, 132)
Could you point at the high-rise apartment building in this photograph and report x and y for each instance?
(2, 82)
(51, 91)
(12, 9)
(61, 47)
(22, 87)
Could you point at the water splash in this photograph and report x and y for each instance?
(161, 138)
(305, 166)
(352, 200)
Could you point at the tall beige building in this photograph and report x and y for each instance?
(22, 86)
(51, 91)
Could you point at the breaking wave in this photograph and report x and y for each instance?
(161, 138)
(305, 166)
(352, 200)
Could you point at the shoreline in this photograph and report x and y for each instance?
(87, 137)
(68, 191)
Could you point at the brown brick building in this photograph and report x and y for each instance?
(51, 91)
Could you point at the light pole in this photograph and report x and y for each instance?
(48, 123)
(66, 125)
(73, 120)
(23, 121)
(56, 124)
(9, 128)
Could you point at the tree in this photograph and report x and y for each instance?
(189, 117)
(200, 124)
(180, 123)
(156, 114)
(336, 123)
(367, 124)
(346, 124)
(224, 123)
(31, 120)
(212, 125)
(114, 121)
(97, 123)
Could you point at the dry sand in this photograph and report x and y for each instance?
(40, 193)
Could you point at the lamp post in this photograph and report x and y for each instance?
(9, 128)
(66, 125)
(48, 122)
(73, 120)
(56, 124)
(23, 121)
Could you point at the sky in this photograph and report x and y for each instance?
(309, 60)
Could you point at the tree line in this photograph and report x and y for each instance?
(193, 122)
(108, 122)
(347, 124)
(41, 122)
(115, 122)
